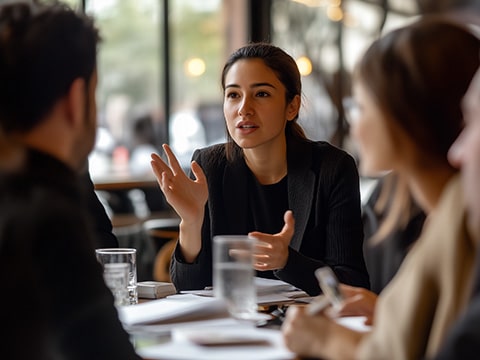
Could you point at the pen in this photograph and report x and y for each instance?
(317, 305)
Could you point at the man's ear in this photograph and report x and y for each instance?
(76, 102)
(293, 108)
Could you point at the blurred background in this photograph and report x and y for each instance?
(160, 65)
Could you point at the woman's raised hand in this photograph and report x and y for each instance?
(187, 197)
(271, 251)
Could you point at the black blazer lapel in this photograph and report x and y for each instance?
(301, 182)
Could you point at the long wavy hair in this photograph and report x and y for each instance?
(418, 75)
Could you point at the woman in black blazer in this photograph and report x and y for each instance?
(300, 198)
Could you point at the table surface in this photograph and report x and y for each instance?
(163, 344)
(143, 337)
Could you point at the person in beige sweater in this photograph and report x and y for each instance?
(408, 88)
(463, 338)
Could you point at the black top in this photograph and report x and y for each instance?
(55, 303)
(323, 193)
(267, 205)
(384, 258)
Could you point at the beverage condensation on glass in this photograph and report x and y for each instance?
(122, 255)
(233, 274)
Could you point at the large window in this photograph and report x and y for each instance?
(129, 89)
(160, 64)
(327, 37)
(142, 105)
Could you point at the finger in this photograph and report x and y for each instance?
(158, 165)
(260, 266)
(289, 227)
(260, 257)
(262, 248)
(198, 172)
(172, 159)
(240, 255)
(159, 174)
(261, 239)
(166, 183)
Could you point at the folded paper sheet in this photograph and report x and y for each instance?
(173, 308)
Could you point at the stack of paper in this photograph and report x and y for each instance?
(269, 292)
(155, 289)
(185, 307)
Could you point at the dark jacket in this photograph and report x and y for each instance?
(56, 304)
(104, 236)
(323, 193)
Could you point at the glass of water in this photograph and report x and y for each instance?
(120, 256)
(233, 274)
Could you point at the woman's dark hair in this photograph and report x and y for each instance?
(284, 67)
(418, 75)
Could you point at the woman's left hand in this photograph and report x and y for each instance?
(358, 302)
(318, 336)
(271, 251)
(304, 334)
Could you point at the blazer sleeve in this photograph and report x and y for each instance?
(196, 275)
(337, 205)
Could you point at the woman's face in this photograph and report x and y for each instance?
(254, 105)
(371, 133)
(465, 154)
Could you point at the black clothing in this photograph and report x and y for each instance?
(323, 193)
(55, 303)
(268, 204)
(383, 259)
(104, 237)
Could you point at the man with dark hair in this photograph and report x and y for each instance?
(55, 302)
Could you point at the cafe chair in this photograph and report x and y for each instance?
(164, 234)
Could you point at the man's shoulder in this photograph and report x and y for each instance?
(26, 195)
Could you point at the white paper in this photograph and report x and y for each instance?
(166, 329)
(172, 308)
(269, 291)
(181, 348)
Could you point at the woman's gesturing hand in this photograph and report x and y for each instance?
(186, 196)
(271, 251)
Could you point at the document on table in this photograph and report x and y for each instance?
(181, 307)
(232, 343)
(269, 291)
